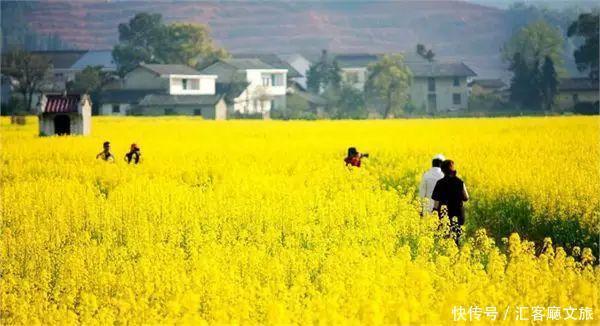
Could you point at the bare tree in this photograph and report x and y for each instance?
(30, 72)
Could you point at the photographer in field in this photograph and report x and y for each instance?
(354, 157)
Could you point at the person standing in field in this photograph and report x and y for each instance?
(354, 157)
(451, 192)
(106, 155)
(134, 154)
(430, 178)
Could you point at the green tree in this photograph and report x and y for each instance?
(586, 56)
(145, 38)
(90, 80)
(186, 44)
(548, 83)
(388, 82)
(524, 88)
(534, 42)
(324, 74)
(139, 41)
(351, 103)
(29, 70)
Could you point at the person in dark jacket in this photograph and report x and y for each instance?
(451, 192)
(134, 154)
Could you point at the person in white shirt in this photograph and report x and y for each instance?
(430, 178)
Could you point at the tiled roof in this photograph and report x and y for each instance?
(61, 103)
(170, 69)
(272, 60)
(488, 83)
(172, 100)
(244, 64)
(101, 58)
(441, 69)
(131, 96)
(577, 84)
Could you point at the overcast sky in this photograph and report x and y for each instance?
(550, 3)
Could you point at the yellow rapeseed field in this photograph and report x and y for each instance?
(253, 222)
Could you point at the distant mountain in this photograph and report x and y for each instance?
(454, 29)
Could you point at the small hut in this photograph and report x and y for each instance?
(65, 114)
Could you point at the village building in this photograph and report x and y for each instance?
(165, 89)
(572, 91)
(436, 86)
(487, 87)
(64, 114)
(301, 64)
(263, 86)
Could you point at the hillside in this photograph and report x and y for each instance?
(455, 29)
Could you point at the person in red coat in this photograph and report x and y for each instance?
(354, 157)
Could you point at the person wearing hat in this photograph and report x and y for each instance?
(106, 155)
(451, 192)
(430, 178)
(134, 154)
(354, 157)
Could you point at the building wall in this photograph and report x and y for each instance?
(206, 86)
(357, 77)
(257, 98)
(209, 112)
(107, 109)
(444, 91)
(79, 125)
(141, 78)
(565, 99)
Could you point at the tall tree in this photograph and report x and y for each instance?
(324, 74)
(145, 38)
(388, 82)
(548, 83)
(586, 56)
(534, 42)
(29, 70)
(139, 41)
(90, 80)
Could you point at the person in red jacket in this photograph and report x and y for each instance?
(354, 157)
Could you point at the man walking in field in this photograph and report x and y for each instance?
(430, 178)
(106, 155)
(451, 192)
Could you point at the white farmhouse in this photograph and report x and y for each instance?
(165, 89)
(436, 86)
(263, 87)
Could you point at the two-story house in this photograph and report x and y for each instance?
(165, 89)
(264, 87)
(436, 86)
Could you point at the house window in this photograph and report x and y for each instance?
(576, 98)
(272, 104)
(198, 112)
(184, 83)
(266, 80)
(277, 80)
(195, 84)
(431, 84)
(352, 77)
(116, 108)
(456, 98)
(456, 81)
